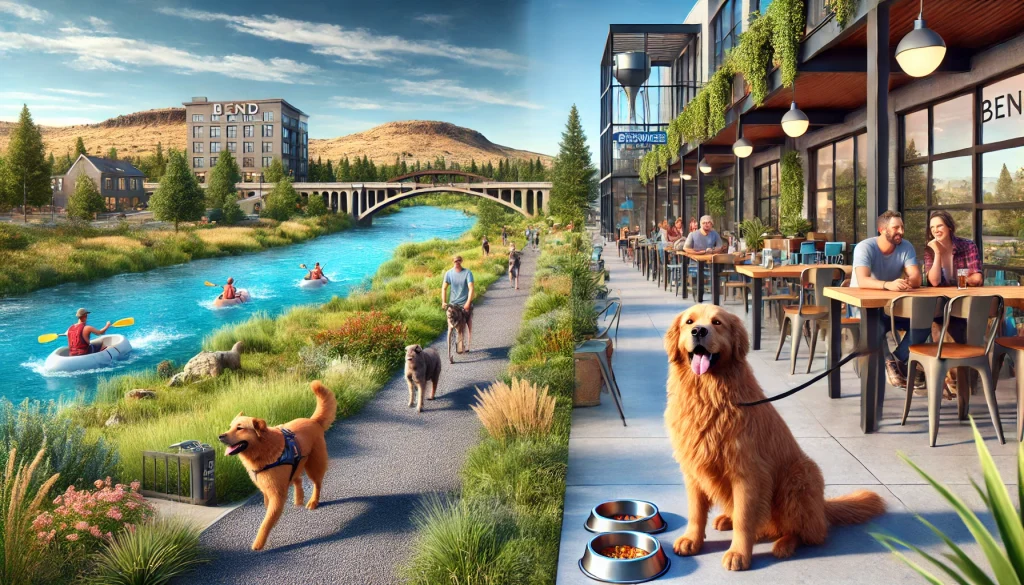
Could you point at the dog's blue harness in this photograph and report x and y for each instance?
(291, 455)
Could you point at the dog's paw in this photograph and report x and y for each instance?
(685, 546)
(734, 561)
(312, 505)
(785, 546)
(722, 523)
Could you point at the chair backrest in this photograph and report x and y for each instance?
(807, 247)
(919, 311)
(833, 248)
(819, 277)
(978, 311)
(602, 332)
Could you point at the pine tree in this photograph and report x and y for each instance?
(472, 167)
(275, 172)
(329, 172)
(28, 170)
(345, 170)
(574, 178)
(222, 183)
(179, 197)
(315, 206)
(112, 153)
(80, 147)
(282, 201)
(86, 201)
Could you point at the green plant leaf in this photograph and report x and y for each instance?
(886, 541)
(999, 503)
(959, 557)
(1001, 566)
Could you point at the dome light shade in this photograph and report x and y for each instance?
(704, 166)
(687, 176)
(795, 122)
(742, 148)
(921, 51)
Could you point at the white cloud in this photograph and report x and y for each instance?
(99, 25)
(451, 89)
(114, 53)
(353, 46)
(358, 103)
(422, 71)
(74, 92)
(435, 19)
(32, 97)
(96, 25)
(22, 11)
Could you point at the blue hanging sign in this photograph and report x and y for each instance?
(640, 137)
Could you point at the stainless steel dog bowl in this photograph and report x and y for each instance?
(649, 521)
(602, 568)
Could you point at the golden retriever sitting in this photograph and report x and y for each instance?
(422, 366)
(276, 457)
(461, 321)
(744, 459)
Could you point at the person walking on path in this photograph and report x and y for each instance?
(504, 236)
(385, 462)
(514, 263)
(461, 282)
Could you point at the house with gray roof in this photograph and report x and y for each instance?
(119, 182)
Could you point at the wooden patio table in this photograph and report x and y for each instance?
(872, 302)
(701, 259)
(759, 273)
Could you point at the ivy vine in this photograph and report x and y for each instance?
(791, 195)
(714, 200)
(843, 9)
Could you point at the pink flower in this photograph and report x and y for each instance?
(95, 531)
(114, 513)
(136, 485)
(98, 483)
(72, 537)
(82, 525)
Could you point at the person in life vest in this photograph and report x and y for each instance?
(317, 273)
(79, 333)
(229, 290)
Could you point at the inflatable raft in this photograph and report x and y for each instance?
(313, 283)
(241, 296)
(117, 348)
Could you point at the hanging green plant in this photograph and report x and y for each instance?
(719, 89)
(787, 20)
(791, 195)
(843, 9)
(663, 157)
(714, 200)
(674, 138)
(753, 56)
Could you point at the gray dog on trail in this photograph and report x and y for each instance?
(421, 366)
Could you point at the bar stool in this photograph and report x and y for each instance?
(596, 349)
(802, 313)
(1013, 348)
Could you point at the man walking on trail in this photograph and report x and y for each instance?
(461, 282)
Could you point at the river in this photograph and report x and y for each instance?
(173, 309)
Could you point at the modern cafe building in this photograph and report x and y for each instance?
(875, 137)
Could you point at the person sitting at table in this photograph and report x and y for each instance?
(945, 255)
(879, 263)
(663, 233)
(675, 231)
(694, 226)
(705, 240)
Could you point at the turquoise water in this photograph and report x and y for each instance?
(173, 309)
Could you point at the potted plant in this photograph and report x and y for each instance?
(753, 232)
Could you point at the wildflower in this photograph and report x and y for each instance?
(95, 531)
(82, 525)
(98, 483)
(72, 537)
(114, 513)
(136, 485)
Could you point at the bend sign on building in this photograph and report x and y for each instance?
(249, 108)
(640, 137)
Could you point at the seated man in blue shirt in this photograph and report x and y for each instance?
(880, 263)
(705, 240)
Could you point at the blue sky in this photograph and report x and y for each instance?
(510, 70)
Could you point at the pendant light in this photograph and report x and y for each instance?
(922, 50)
(687, 176)
(704, 166)
(742, 148)
(795, 122)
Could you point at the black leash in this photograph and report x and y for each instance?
(841, 363)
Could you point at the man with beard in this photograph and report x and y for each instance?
(881, 263)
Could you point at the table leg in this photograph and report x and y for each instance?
(664, 270)
(963, 393)
(700, 282)
(757, 313)
(714, 283)
(686, 272)
(835, 346)
(871, 370)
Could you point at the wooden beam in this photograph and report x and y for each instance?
(878, 112)
(957, 60)
(772, 117)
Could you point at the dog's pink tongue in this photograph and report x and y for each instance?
(700, 363)
(227, 451)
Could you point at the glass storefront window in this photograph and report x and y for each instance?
(1001, 243)
(1002, 175)
(825, 212)
(915, 135)
(768, 193)
(1002, 110)
(841, 196)
(825, 167)
(951, 181)
(952, 124)
(915, 231)
(861, 230)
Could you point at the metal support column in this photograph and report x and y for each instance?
(878, 111)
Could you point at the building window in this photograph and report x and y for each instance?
(248, 118)
(285, 120)
(121, 184)
(214, 131)
(268, 147)
(248, 131)
(108, 183)
(268, 116)
(232, 146)
(197, 132)
(285, 149)
(232, 131)
(766, 180)
(111, 203)
(134, 184)
(726, 27)
(201, 177)
(213, 161)
(232, 117)
(215, 117)
(197, 117)
(248, 146)
(841, 190)
(268, 131)
(215, 147)
(197, 162)
(284, 133)
(267, 161)
(248, 162)
(197, 147)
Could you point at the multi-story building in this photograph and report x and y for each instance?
(255, 132)
(875, 137)
(118, 182)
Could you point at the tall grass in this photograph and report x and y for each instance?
(518, 410)
(152, 554)
(22, 561)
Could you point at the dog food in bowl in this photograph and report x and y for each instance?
(623, 551)
(625, 517)
(619, 515)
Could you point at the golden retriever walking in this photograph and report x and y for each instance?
(461, 322)
(744, 459)
(276, 457)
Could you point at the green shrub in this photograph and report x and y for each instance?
(257, 335)
(152, 554)
(528, 473)
(165, 369)
(371, 336)
(11, 238)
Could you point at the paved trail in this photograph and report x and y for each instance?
(384, 461)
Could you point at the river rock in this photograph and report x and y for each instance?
(114, 420)
(209, 364)
(139, 394)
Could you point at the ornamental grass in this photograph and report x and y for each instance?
(21, 559)
(520, 410)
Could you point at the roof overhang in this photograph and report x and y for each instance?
(663, 42)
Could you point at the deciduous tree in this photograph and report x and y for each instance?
(275, 172)
(86, 201)
(282, 201)
(179, 197)
(223, 178)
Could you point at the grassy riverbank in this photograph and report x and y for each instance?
(506, 525)
(37, 257)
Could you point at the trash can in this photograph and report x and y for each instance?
(188, 474)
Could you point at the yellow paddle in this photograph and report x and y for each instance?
(119, 323)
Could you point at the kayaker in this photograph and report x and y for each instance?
(229, 290)
(79, 333)
(317, 273)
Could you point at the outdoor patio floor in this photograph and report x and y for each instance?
(609, 461)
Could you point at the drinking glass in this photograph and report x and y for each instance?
(961, 278)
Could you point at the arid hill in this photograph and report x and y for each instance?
(138, 134)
